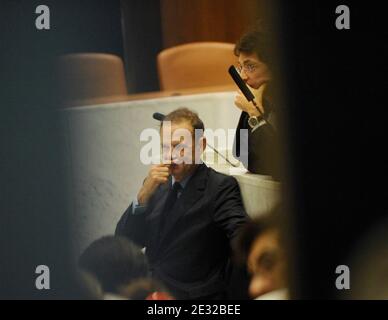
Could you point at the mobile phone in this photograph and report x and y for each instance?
(240, 83)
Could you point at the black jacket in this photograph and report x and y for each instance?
(263, 152)
(191, 254)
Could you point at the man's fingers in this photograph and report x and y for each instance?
(155, 175)
(159, 166)
(160, 174)
(159, 169)
(161, 179)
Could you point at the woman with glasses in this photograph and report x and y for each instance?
(260, 153)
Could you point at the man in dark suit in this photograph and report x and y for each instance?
(186, 214)
(262, 155)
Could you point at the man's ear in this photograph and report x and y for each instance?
(203, 143)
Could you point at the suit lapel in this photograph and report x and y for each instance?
(191, 194)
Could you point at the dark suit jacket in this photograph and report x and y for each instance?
(191, 254)
(263, 146)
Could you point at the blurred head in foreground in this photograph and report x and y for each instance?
(260, 246)
(115, 262)
(369, 265)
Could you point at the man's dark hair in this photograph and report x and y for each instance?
(114, 261)
(185, 114)
(256, 40)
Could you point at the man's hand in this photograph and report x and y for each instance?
(157, 175)
(242, 103)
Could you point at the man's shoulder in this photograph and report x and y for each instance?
(219, 178)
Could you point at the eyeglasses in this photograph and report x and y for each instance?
(248, 68)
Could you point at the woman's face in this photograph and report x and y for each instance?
(252, 70)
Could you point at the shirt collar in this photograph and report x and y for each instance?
(183, 182)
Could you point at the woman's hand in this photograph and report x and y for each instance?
(243, 104)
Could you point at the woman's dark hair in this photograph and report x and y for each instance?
(256, 40)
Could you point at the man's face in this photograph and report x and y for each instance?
(179, 148)
(266, 264)
(253, 71)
